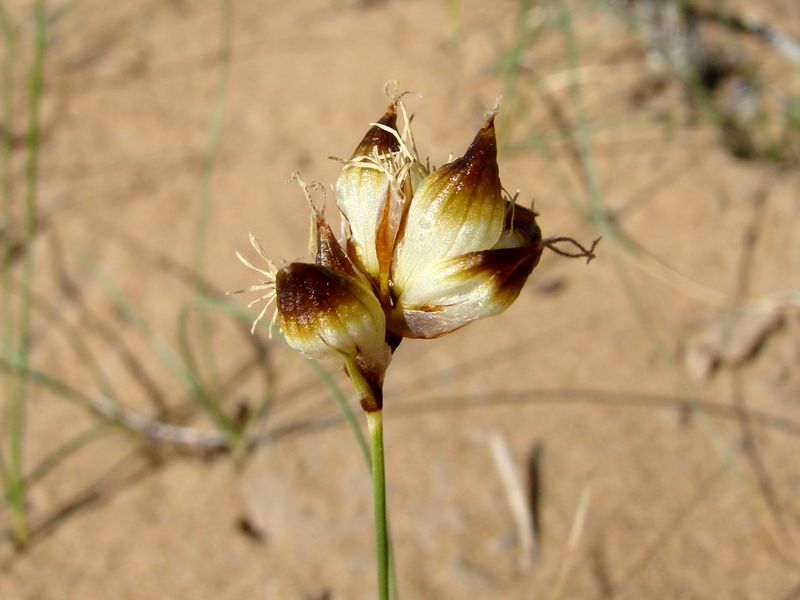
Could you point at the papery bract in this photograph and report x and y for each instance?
(322, 312)
(458, 208)
(473, 285)
(464, 251)
(362, 191)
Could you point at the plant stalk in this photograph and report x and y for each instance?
(383, 545)
(375, 425)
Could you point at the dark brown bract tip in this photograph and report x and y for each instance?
(305, 291)
(485, 141)
(377, 137)
(478, 167)
(329, 253)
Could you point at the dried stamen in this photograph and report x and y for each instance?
(268, 284)
(308, 189)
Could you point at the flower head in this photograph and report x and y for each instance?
(425, 252)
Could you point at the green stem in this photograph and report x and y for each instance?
(387, 574)
(375, 425)
(16, 407)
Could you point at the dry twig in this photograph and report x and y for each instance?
(520, 508)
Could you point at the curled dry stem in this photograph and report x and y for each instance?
(582, 252)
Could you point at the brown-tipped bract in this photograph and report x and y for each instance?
(364, 191)
(323, 312)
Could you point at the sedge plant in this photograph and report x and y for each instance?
(425, 252)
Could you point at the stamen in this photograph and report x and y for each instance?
(308, 188)
(247, 263)
(390, 89)
(257, 287)
(269, 284)
(257, 300)
(261, 314)
(257, 247)
(253, 288)
(272, 322)
(403, 147)
(511, 201)
(394, 165)
(492, 112)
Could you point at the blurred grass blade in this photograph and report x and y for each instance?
(55, 320)
(204, 188)
(16, 401)
(72, 445)
(164, 352)
(204, 304)
(6, 192)
(723, 449)
(344, 406)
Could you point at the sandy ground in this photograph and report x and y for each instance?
(690, 488)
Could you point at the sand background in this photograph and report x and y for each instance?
(587, 371)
